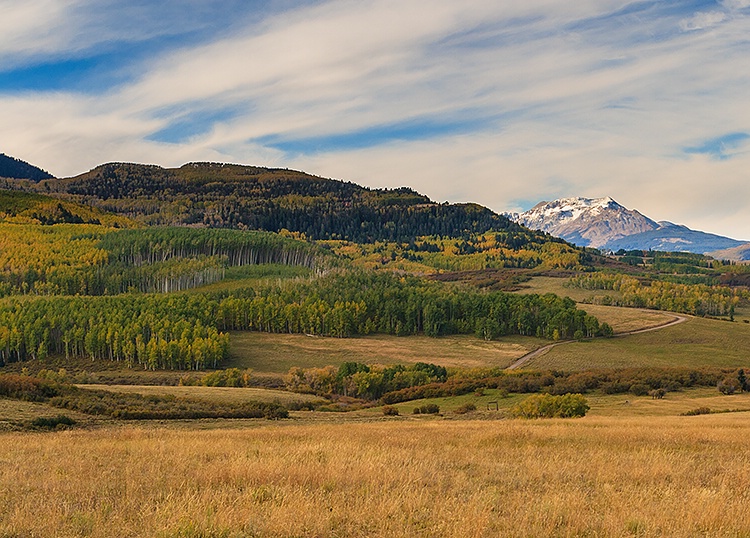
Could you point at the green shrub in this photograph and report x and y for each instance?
(550, 406)
(465, 408)
(52, 422)
(697, 411)
(390, 411)
(639, 389)
(427, 409)
(728, 385)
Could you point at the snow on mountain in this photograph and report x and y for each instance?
(586, 221)
(605, 224)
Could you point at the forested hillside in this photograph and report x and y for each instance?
(246, 197)
(31, 208)
(15, 168)
(87, 259)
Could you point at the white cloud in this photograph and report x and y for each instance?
(703, 20)
(735, 4)
(570, 100)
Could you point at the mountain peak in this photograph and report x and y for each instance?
(586, 221)
(603, 223)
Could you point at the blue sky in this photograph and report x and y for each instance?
(501, 103)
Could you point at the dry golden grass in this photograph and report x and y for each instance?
(276, 353)
(624, 320)
(14, 413)
(653, 476)
(212, 394)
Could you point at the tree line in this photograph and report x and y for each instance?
(361, 303)
(696, 299)
(180, 331)
(93, 260)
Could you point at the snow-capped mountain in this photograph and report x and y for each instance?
(603, 223)
(591, 222)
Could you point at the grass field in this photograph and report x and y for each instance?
(697, 342)
(230, 395)
(627, 319)
(15, 414)
(597, 476)
(277, 353)
(248, 276)
(602, 405)
(556, 285)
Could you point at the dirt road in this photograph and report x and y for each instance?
(526, 358)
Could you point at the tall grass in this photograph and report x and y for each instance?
(677, 477)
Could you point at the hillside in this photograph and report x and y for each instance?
(31, 208)
(739, 253)
(11, 167)
(674, 237)
(247, 197)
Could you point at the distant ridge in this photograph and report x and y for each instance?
(739, 254)
(603, 223)
(13, 168)
(218, 195)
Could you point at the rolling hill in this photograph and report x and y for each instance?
(248, 197)
(10, 167)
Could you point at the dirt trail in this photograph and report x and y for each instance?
(526, 358)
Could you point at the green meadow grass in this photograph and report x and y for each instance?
(277, 353)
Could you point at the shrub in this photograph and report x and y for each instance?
(697, 411)
(465, 408)
(52, 422)
(549, 406)
(728, 385)
(21, 387)
(427, 409)
(639, 389)
(390, 411)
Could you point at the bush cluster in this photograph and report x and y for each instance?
(390, 411)
(21, 387)
(139, 407)
(637, 381)
(549, 406)
(465, 408)
(427, 409)
(51, 423)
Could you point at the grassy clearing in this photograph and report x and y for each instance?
(697, 342)
(675, 476)
(249, 276)
(219, 395)
(15, 413)
(277, 353)
(556, 285)
(627, 319)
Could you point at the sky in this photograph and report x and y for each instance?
(501, 102)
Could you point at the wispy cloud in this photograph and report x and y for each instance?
(701, 20)
(723, 147)
(486, 101)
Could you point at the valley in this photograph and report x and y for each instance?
(253, 372)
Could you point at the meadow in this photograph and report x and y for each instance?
(399, 477)
(697, 342)
(277, 353)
